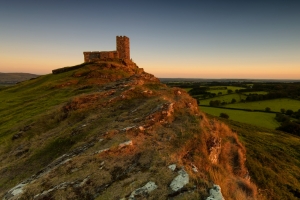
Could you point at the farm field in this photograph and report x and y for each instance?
(187, 89)
(226, 98)
(254, 118)
(259, 92)
(274, 104)
(216, 90)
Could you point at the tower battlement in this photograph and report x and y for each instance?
(123, 47)
(122, 52)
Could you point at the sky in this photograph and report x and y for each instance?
(179, 39)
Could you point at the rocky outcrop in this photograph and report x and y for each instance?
(214, 148)
(143, 191)
(180, 181)
(16, 191)
(215, 193)
(127, 119)
(172, 167)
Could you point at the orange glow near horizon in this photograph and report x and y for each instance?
(165, 67)
(288, 71)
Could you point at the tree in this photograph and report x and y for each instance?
(282, 110)
(224, 115)
(289, 112)
(282, 118)
(233, 100)
(267, 109)
(290, 127)
(229, 91)
(219, 93)
(215, 103)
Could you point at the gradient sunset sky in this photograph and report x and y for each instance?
(195, 39)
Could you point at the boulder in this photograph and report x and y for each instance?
(215, 193)
(172, 167)
(180, 181)
(146, 189)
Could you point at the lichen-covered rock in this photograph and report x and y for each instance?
(149, 187)
(172, 167)
(15, 192)
(180, 181)
(124, 144)
(215, 193)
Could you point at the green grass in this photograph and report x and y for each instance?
(29, 99)
(216, 90)
(187, 89)
(275, 105)
(255, 118)
(226, 98)
(273, 160)
(259, 92)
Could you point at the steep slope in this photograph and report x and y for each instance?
(273, 159)
(108, 130)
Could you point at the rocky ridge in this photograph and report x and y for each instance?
(130, 137)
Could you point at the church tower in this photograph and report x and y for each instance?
(123, 47)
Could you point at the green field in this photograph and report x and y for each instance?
(254, 118)
(226, 98)
(274, 104)
(259, 92)
(187, 89)
(216, 90)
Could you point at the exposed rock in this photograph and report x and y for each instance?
(180, 181)
(100, 140)
(14, 192)
(83, 182)
(17, 135)
(102, 150)
(214, 149)
(18, 190)
(74, 170)
(194, 168)
(147, 92)
(143, 191)
(62, 186)
(124, 144)
(215, 193)
(128, 128)
(172, 167)
(168, 109)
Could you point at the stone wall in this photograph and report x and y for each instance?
(96, 55)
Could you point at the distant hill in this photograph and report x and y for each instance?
(13, 78)
(164, 80)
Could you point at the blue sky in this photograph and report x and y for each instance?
(198, 39)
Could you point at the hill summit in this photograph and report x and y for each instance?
(109, 130)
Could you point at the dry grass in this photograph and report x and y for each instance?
(230, 172)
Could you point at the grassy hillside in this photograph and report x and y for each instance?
(108, 128)
(273, 159)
